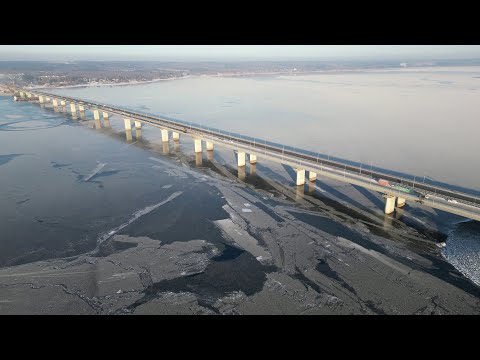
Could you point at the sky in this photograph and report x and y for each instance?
(236, 52)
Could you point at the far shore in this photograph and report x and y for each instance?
(274, 73)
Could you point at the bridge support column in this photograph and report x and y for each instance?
(240, 158)
(138, 125)
(29, 95)
(128, 124)
(47, 99)
(300, 177)
(253, 159)
(164, 135)
(40, 98)
(389, 204)
(198, 145)
(209, 145)
(73, 109)
(176, 136)
(55, 103)
(105, 115)
(63, 103)
(400, 202)
(22, 95)
(96, 115)
(312, 176)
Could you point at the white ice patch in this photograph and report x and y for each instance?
(246, 210)
(95, 171)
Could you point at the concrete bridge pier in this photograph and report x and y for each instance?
(400, 202)
(22, 95)
(209, 146)
(389, 204)
(29, 95)
(138, 129)
(175, 136)
(96, 115)
(41, 99)
(128, 124)
(300, 177)
(63, 105)
(164, 135)
(253, 159)
(47, 99)
(240, 159)
(312, 177)
(73, 108)
(55, 105)
(198, 146)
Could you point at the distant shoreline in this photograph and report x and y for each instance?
(274, 73)
(97, 84)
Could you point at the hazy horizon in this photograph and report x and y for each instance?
(185, 53)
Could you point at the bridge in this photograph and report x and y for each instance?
(396, 190)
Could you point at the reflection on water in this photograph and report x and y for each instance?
(198, 159)
(253, 169)
(165, 148)
(241, 173)
(299, 192)
(128, 135)
(209, 155)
